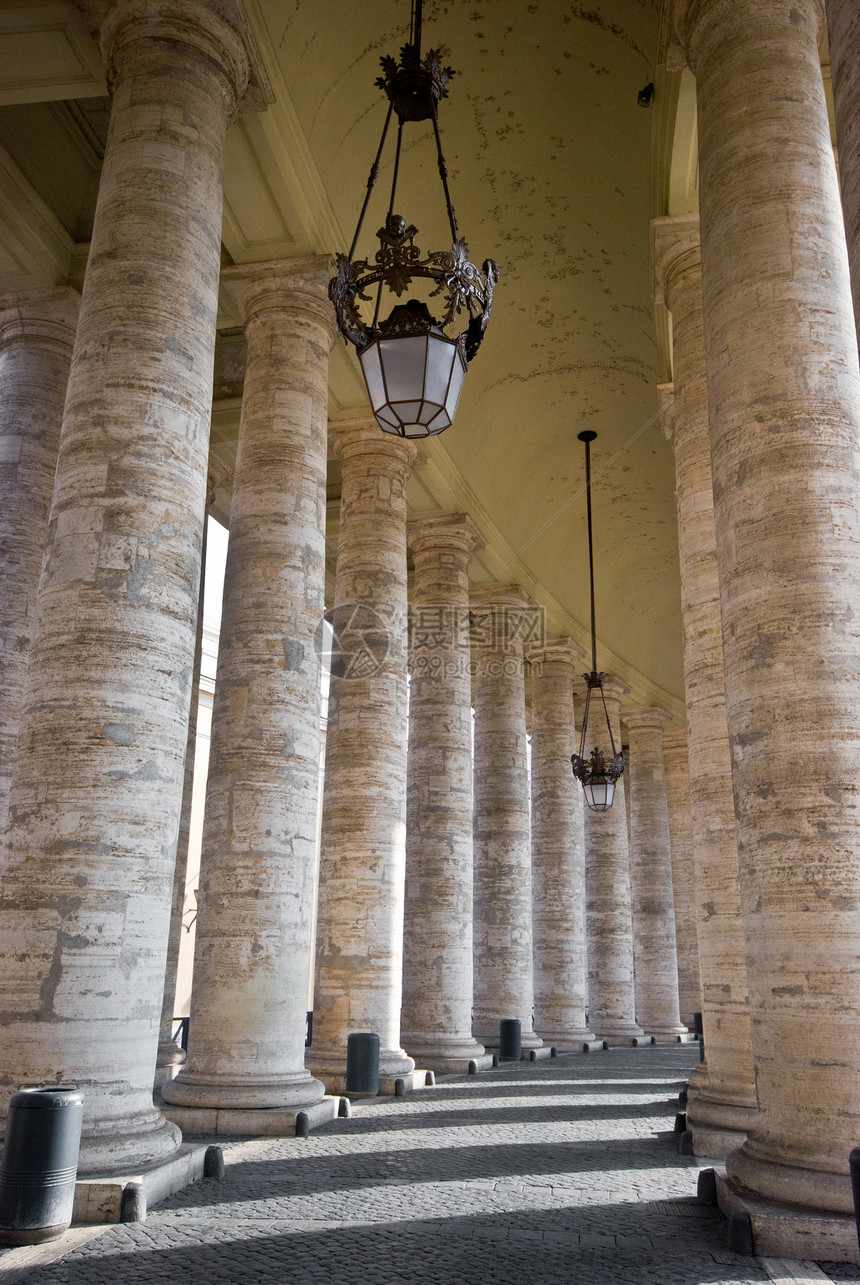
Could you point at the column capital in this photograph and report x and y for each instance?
(556, 655)
(219, 29)
(348, 438)
(680, 21)
(278, 286)
(676, 255)
(488, 596)
(614, 689)
(455, 531)
(645, 718)
(39, 315)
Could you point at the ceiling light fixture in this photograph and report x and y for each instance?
(413, 370)
(596, 774)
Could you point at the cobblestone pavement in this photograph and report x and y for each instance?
(561, 1172)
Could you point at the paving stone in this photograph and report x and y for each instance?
(557, 1172)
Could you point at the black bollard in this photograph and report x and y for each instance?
(362, 1063)
(698, 1029)
(510, 1040)
(40, 1164)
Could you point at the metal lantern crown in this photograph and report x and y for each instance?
(413, 370)
(596, 774)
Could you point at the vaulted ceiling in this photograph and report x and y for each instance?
(555, 171)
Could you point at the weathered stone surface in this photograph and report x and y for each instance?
(843, 25)
(558, 852)
(503, 893)
(722, 1089)
(37, 331)
(784, 410)
(609, 925)
(170, 1055)
(97, 788)
(252, 948)
(676, 764)
(362, 866)
(652, 900)
(437, 937)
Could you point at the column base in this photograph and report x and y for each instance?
(294, 1092)
(118, 1147)
(770, 1230)
(100, 1200)
(171, 1059)
(490, 1040)
(570, 1041)
(672, 1037)
(716, 1126)
(450, 1057)
(617, 1033)
(255, 1122)
(538, 1055)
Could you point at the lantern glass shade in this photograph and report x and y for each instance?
(599, 795)
(414, 382)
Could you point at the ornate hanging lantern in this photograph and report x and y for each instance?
(413, 369)
(597, 774)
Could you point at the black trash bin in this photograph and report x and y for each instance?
(510, 1039)
(362, 1063)
(40, 1164)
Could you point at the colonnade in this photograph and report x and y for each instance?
(459, 884)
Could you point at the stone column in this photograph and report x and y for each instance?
(502, 616)
(676, 765)
(37, 330)
(655, 960)
(437, 939)
(362, 866)
(784, 411)
(608, 916)
(97, 788)
(558, 852)
(721, 1099)
(170, 1055)
(245, 1070)
(843, 24)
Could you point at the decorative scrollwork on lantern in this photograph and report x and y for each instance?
(408, 398)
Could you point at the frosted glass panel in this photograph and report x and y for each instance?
(440, 355)
(369, 359)
(403, 363)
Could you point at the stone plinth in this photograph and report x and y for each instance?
(652, 897)
(721, 1100)
(502, 618)
(676, 764)
(437, 941)
(97, 787)
(558, 852)
(784, 412)
(362, 865)
(608, 916)
(37, 330)
(252, 947)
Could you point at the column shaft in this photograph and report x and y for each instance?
(609, 925)
(558, 854)
(652, 898)
(676, 764)
(170, 1055)
(784, 410)
(252, 948)
(843, 25)
(37, 330)
(721, 1099)
(97, 788)
(503, 893)
(362, 866)
(437, 939)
